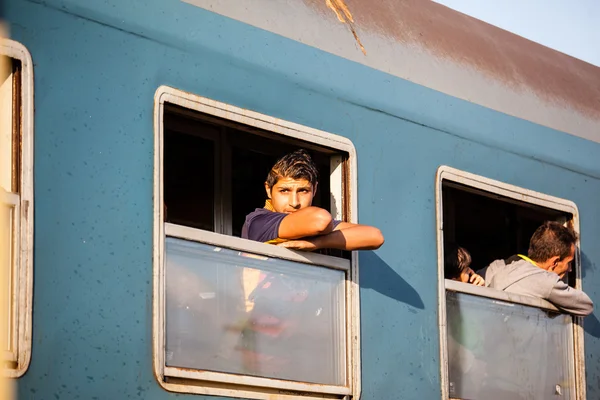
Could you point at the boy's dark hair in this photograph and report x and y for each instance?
(295, 165)
(456, 259)
(550, 240)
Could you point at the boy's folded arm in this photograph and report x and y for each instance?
(309, 221)
(348, 236)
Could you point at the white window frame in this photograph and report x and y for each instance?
(521, 195)
(21, 274)
(233, 385)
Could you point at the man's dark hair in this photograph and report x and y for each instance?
(550, 240)
(295, 165)
(456, 259)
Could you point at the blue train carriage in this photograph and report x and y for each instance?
(155, 125)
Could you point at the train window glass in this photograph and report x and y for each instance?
(232, 316)
(494, 344)
(506, 350)
(16, 204)
(244, 328)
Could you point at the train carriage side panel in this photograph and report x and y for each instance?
(97, 67)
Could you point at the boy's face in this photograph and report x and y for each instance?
(289, 195)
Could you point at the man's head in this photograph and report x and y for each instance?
(457, 262)
(292, 182)
(552, 247)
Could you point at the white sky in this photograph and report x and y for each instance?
(569, 26)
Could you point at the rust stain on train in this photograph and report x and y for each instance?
(514, 61)
(344, 16)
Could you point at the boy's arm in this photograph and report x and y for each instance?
(346, 236)
(309, 221)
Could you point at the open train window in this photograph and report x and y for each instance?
(494, 344)
(236, 317)
(491, 226)
(16, 204)
(214, 170)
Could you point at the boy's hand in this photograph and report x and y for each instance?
(300, 244)
(476, 280)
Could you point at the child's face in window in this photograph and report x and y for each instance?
(289, 195)
(469, 276)
(465, 275)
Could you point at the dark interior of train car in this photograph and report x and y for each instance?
(490, 226)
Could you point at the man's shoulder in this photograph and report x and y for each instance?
(539, 283)
(514, 275)
(542, 275)
(535, 272)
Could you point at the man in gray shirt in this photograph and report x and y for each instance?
(540, 274)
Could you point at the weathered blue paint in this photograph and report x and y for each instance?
(97, 66)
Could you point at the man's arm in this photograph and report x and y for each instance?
(346, 236)
(570, 300)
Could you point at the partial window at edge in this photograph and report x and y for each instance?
(16, 204)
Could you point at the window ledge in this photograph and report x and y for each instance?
(269, 250)
(490, 293)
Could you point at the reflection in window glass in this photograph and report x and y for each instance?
(6, 233)
(242, 313)
(499, 350)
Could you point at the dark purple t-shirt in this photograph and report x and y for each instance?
(262, 225)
